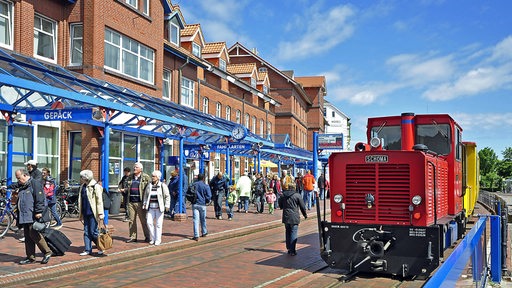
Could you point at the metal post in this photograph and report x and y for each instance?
(106, 155)
(259, 163)
(228, 166)
(201, 161)
(10, 139)
(315, 154)
(180, 177)
(496, 248)
(162, 161)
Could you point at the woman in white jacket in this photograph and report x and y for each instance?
(157, 200)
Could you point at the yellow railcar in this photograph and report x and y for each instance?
(471, 177)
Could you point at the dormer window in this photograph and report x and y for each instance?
(253, 83)
(265, 89)
(174, 33)
(222, 65)
(196, 50)
(6, 27)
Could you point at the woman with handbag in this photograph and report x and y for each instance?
(90, 205)
(156, 200)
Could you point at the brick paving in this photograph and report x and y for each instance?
(176, 236)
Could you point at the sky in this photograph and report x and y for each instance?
(383, 58)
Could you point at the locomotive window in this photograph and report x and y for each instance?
(391, 136)
(435, 136)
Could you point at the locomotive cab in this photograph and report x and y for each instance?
(397, 201)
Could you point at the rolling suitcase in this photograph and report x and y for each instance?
(57, 241)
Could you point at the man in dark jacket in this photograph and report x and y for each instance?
(33, 171)
(290, 203)
(31, 206)
(204, 196)
(260, 188)
(219, 187)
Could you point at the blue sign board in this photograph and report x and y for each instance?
(330, 141)
(59, 115)
(231, 146)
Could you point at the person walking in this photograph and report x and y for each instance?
(33, 171)
(275, 185)
(219, 187)
(270, 198)
(244, 186)
(204, 196)
(231, 199)
(299, 184)
(174, 185)
(260, 186)
(291, 203)
(137, 183)
(156, 201)
(309, 185)
(125, 189)
(321, 186)
(31, 208)
(90, 205)
(51, 199)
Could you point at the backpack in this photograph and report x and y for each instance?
(191, 194)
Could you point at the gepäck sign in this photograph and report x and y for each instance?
(59, 115)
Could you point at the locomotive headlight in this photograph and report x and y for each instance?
(375, 142)
(416, 200)
(338, 198)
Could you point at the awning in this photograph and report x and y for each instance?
(267, 164)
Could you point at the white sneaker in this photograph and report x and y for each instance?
(151, 242)
(157, 243)
(85, 253)
(22, 239)
(101, 252)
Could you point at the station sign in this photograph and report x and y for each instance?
(330, 141)
(59, 115)
(232, 146)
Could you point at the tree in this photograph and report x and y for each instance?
(488, 160)
(507, 154)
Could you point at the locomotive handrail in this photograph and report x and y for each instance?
(472, 247)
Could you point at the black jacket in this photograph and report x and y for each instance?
(291, 202)
(31, 201)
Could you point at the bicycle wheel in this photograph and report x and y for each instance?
(5, 222)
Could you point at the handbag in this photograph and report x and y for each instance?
(40, 226)
(104, 239)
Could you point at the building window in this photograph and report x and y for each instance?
(262, 127)
(145, 7)
(238, 116)
(77, 40)
(253, 83)
(228, 113)
(218, 110)
(174, 33)
(265, 89)
(6, 23)
(206, 102)
(196, 49)
(333, 114)
(246, 120)
(45, 38)
(132, 3)
(253, 126)
(48, 148)
(75, 155)
(187, 92)
(269, 128)
(222, 65)
(166, 86)
(128, 57)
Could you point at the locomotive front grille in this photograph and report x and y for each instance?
(388, 183)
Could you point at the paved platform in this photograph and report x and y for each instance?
(176, 235)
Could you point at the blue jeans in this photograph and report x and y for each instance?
(244, 200)
(322, 193)
(90, 232)
(175, 205)
(307, 198)
(199, 216)
(291, 231)
(217, 203)
(229, 210)
(53, 209)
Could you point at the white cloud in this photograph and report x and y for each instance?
(325, 29)
(362, 95)
(419, 70)
(483, 121)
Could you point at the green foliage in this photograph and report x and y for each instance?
(493, 170)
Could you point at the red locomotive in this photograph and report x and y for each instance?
(398, 202)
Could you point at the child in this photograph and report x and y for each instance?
(232, 198)
(271, 198)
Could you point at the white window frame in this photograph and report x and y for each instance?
(222, 65)
(145, 7)
(148, 57)
(253, 83)
(228, 113)
(253, 124)
(53, 34)
(247, 120)
(196, 49)
(238, 117)
(166, 85)
(133, 3)
(265, 89)
(8, 20)
(269, 128)
(218, 110)
(262, 127)
(173, 27)
(187, 92)
(73, 39)
(206, 103)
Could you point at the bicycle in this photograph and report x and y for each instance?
(8, 211)
(67, 199)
